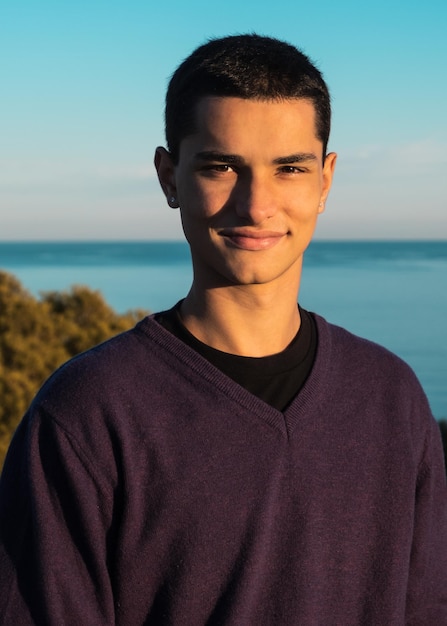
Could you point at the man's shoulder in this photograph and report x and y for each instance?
(366, 379)
(366, 364)
(343, 343)
(106, 367)
(103, 394)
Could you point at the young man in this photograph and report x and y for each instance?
(235, 460)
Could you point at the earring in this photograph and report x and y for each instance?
(172, 201)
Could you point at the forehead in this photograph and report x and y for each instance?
(208, 108)
(237, 123)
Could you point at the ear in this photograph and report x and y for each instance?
(328, 173)
(166, 175)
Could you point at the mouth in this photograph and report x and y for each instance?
(248, 239)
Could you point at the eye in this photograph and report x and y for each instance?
(217, 169)
(220, 167)
(291, 169)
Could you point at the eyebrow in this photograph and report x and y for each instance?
(211, 155)
(299, 157)
(234, 159)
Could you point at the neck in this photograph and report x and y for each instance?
(247, 320)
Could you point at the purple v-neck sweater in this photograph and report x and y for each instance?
(146, 487)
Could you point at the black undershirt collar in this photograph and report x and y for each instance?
(276, 378)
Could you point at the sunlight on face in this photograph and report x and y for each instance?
(250, 183)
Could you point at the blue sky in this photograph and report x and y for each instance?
(82, 110)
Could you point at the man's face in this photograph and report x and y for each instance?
(250, 183)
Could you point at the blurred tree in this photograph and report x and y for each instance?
(38, 335)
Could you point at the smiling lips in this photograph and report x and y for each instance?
(247, 239)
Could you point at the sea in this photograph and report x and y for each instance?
(392, 292)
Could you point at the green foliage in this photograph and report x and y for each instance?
(38, 335)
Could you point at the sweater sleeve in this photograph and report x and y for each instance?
(427, 584)
(54, 517)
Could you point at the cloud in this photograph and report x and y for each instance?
(423, 152)
(393, 191)
(397, 158)
(21, 175)
(143, 171)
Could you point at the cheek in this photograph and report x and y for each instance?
(305, 207)
(303, 195)
(190, 195)
(199, 204)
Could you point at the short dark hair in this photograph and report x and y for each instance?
(243, 66)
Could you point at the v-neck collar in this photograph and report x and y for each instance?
(191, 364)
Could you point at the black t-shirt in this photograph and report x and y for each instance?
(276, 378)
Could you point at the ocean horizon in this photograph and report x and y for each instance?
(391, 292)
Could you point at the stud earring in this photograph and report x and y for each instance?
(172, 201)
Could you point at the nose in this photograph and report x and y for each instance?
(254, 199)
